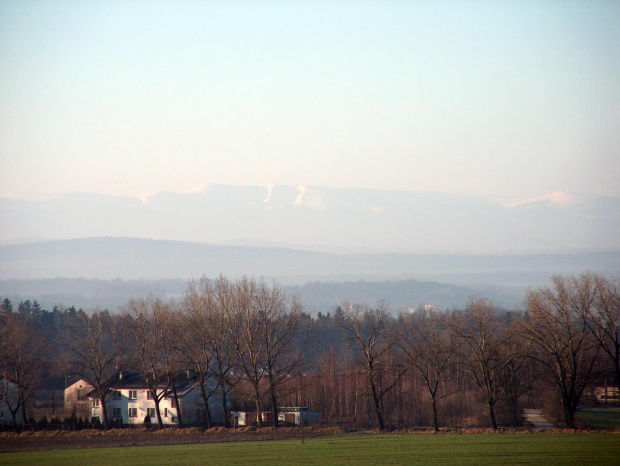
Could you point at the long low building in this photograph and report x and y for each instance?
(291, 416)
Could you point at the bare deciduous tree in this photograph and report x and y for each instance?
(280, 325)
(566, 346)
(429, 348)
(206, 341)
(517, 375)
(154, 332)
(263, 325)
(373, 334)
(480, 341)
(603, 319)
(100, 345)
(22, 353)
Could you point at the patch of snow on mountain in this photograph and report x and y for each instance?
(308, 198)
(269, 192)
(558, 198)
(145, 197)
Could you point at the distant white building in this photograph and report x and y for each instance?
(291, 416)
(609, 395)
(295, 416)
(422, 307)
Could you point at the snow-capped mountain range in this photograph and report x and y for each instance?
(326, 219)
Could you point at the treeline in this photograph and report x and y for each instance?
(250, 346)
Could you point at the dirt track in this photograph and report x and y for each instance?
(536, 419)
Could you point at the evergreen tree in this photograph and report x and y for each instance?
(6, 306)
(24, 308)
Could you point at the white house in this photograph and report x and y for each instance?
(130, 402)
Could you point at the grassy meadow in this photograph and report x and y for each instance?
(358, 448)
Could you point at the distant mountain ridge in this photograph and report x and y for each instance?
(327, 219)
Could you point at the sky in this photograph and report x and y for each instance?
(510, 98)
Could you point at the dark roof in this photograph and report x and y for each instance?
(130, 381)
(136, 381)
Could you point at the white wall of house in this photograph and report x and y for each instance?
(131, 406)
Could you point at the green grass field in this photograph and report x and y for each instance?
(539, 448)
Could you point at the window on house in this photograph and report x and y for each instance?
(133, 394)
(173, 419)
(116, 412)
(149, 395)
(80, 395)
(116, 395)
(150, 412)
(133, 412)
(95, 402)
(173, 403)
(165, 412)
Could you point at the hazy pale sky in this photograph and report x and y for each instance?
(508, 98)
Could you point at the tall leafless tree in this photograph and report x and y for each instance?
(566, 346)
(244, 329)
(100, 344)
(430, 349)
(206, 341)
(603, 319)
(156, 351)
(22, 353)
(373, 333)
(280, 327)
(263, 326)
(518, 374)
(480, 340)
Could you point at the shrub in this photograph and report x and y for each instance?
(43, 423)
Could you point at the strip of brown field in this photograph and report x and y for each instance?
(62, 440)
